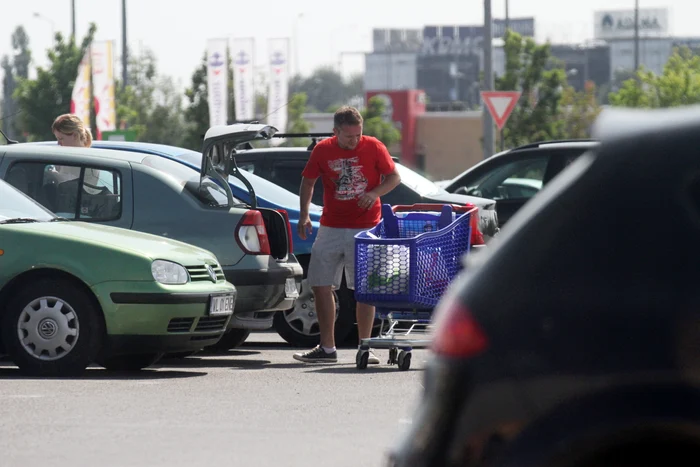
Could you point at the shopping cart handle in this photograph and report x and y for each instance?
(431, 207)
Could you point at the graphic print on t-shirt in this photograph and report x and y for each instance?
(351, 182)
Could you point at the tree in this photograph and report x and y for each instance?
(677, 85)
(197, 111)
(296, 122)
(13, 70)
(530, 69)
(579, 109)
(326, 89)
(375, 125)
(41, 100)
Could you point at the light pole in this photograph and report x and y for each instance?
(72, 19)
(488, 84)
(636, 35)
(48, 20)
(125, 52)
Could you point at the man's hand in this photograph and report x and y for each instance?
(304, 227)
(367, 199)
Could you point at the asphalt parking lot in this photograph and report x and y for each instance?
(254, 406)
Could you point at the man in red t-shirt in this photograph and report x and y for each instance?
(355, 170)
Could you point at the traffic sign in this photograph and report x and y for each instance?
(500, 104)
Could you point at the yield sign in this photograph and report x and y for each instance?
(500, 104)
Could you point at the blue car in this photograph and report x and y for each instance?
(267, 194)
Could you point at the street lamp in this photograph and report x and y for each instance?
(53, 26)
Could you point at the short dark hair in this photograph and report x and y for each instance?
(347, 115)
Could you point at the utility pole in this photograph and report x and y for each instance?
(125, 54)
(636, 35)
(488, 84)
(507, 17)
(72, 17)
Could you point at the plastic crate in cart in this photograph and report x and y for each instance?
(408, 260)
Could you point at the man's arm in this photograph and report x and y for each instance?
(306, 191)
(390, 182)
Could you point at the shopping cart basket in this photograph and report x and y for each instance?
(403, 266)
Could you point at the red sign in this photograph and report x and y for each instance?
(500, 104)
(402, 109)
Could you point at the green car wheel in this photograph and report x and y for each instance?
(52, 327)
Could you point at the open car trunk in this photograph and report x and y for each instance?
(277, 233)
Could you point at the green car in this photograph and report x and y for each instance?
(76, 293)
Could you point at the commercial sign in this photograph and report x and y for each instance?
(445, 40)
(619, 24)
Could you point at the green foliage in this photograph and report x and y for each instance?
(375, 125)
(529, 70)
(150, 104)
(578, 112)
(296, 122)
(677, 85)
(14, 68)
(326, 89)
(49, 95)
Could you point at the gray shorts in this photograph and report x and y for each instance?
(332, 251)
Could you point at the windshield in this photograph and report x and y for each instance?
(264, 188)
(15, 204)
(417, 182)
(208, 192)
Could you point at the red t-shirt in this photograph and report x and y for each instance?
(346, 175)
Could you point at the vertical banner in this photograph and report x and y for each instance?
(243, 90)
(80, 98)
(103, 86)
(217, 81)
(278, 51)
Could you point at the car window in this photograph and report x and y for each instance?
(209, 193)
(518, 179)
(14, 204)
(73, 192)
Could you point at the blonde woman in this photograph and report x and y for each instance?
(70, 130)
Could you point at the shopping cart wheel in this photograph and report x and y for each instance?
(361, 359)
(392, 356)
(404, 360)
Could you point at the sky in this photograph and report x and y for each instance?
(321, 32)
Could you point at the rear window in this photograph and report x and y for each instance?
(209, 193)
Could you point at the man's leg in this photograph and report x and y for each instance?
(364, 313)
(325, 312)
(325, 271)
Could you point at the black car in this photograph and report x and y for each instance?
(575, 340)
(514, 176)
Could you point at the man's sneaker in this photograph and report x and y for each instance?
(317, 355)
(373, 359)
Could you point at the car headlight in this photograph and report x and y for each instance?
(167, 272)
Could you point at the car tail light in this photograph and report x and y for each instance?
(285, 214)
(477, 236)
(457, 334)
(251, 234)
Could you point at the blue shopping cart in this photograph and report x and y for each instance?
(403, 266)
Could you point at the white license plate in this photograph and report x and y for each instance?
(221, 305)
(290, 288)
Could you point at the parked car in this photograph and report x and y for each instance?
(515, 176)
(74, 293)
(299, 326)
(155, 195)
(591, 360)
(283, 166)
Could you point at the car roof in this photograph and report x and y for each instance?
(35, 149)
(132, 145)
